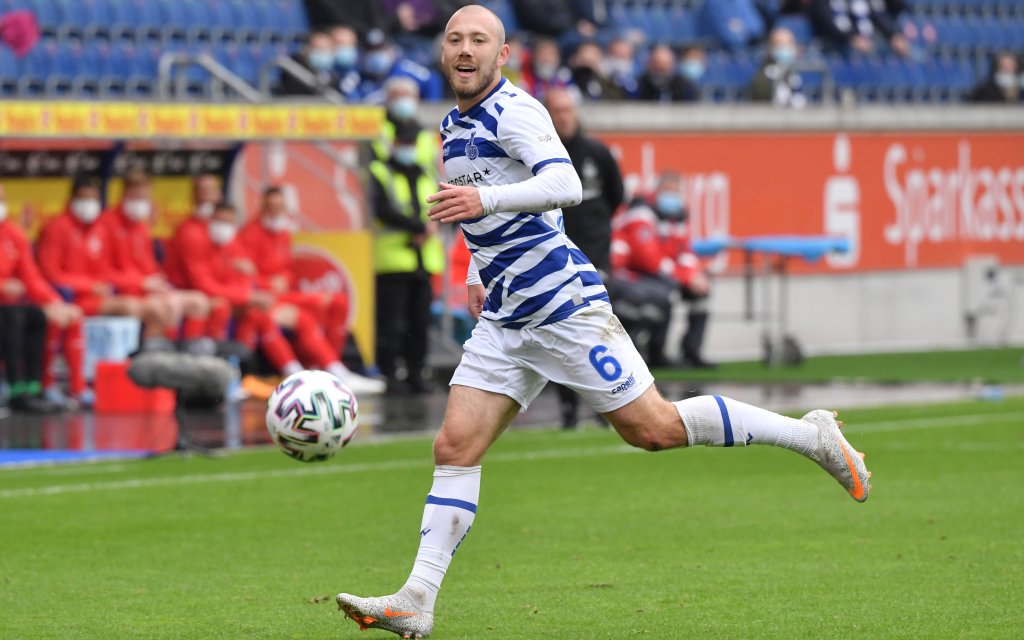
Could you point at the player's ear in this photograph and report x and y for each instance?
(503, 55)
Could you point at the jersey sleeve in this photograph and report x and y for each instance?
(526, 133)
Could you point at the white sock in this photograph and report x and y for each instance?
(450, 510)
(723, 422)
(291, 367)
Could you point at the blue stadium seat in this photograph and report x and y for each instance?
(8, 73)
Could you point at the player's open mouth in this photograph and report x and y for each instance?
(464, 70)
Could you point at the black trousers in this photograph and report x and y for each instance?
(22, 342)
(403, 322)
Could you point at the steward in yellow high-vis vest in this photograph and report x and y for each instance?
(407, 252)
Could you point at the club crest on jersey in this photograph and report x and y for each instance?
(472, 152)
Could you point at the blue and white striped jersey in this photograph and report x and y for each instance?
(533, 273)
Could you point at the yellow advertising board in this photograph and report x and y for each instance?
(134, 121)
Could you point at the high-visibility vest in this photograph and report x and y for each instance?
(392, 250)
(428, 145)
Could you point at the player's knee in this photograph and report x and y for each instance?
(646, 437)
(451, 449)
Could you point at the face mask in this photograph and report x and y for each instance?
(1005, 80)
(204, 211)
(378, 63)
(277, 224)
(692, 69)
(321, 60)
(404, 155)
(669, 203)
(403, 108)
(86, 210)
(136, 210)
(221, 233)
(545, 70)
(346, 56)
(784, 56)
(3, 211)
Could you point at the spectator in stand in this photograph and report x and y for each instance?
(589, 73)
(588, 224)
(546, 70)
(33, 317)
(620, 66)
(733, 24)
(403, 102)
(414, 23)
(775, 81)
(545, 18)
(693, 63)
(661, 82)
(359, 14)
(346, 61)
(381, 62)
(1003, 83)
(206, 193)
(267, 239)
(317, 57)
(518, 57)
(654, 242)
(852, 25)
(134, 258)
(75, 254)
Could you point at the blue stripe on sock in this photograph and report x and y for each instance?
(452, 502)
(726, 421)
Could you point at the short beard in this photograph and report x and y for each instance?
(476, 90)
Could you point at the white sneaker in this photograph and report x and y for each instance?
(389, 613)
(361, 385)
(837, 456)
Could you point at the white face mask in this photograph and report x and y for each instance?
(205, 210)
(136, 210)
(3, 211)
(221, 233)
(86, 210)
(277, 224)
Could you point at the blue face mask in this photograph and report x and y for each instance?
(669, 203)
(784, 56)
(692, 69)
(378, 63)
(321, 60)
(403, 108)
(404, 155)
(345, 57)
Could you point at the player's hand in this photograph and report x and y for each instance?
(244, 266)
(699, 284)
(455, 204)
(154, 283)
(13, 288)
(477, 294)
(279, 283)
(261, 299)
(62, 314)
(103, 289)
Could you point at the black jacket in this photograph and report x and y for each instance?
(589, 224)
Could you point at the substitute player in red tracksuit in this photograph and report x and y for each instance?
(651, 247)
(206, 193)
(75, 255)
(268, 241)
(134, 259)
(22, 282)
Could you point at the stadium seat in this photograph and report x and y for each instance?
(799, 25)
(8, 73)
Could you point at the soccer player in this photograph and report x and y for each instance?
(544, 315)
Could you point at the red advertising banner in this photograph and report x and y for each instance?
(904, 201)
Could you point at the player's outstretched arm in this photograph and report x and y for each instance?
(555, 185)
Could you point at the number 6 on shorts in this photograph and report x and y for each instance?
(608, 367)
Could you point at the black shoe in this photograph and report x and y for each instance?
(34, 404)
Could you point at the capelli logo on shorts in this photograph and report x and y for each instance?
(630, 381)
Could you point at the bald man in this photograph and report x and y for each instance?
(543, 315)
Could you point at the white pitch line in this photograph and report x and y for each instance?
(972, 420)
(243, 476)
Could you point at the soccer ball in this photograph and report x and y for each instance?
(311, 415)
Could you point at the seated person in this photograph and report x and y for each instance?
(75, 256)
(33, 319)
(653, 242)
(268, 241)
(134, 258)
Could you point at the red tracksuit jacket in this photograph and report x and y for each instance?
(16, 261)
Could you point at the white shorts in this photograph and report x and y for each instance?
(589, 352)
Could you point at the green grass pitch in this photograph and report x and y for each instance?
(576, 537)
